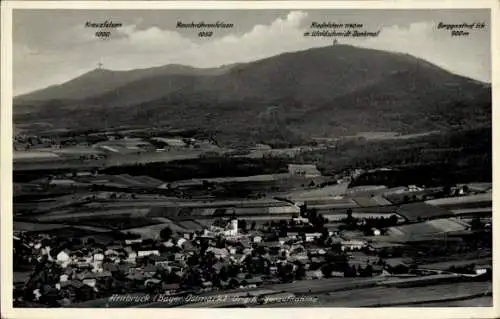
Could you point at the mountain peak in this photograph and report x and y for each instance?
(96, 71)
(330, 90)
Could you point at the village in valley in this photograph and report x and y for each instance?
(85, 238)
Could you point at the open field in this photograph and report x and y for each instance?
(332, 209)
(110, 161)
(237, 179)
(77, 151)
(463, 200)
(153, 231)
(114, 222)
(390, 135)
(34, 155)
(471, 211)
(35, 160)
(327, 191)
(143, 210)
(427, 228)
(63, 216)
(457, 263)
(372, 201)
(387, 297)
(49, 227)
(28, 226)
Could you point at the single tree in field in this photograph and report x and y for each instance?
(254, 224)
(349, 214)
(476, 223)
(242, 225)
(300, 273)
(166, 233)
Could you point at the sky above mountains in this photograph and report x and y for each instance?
(51, 47)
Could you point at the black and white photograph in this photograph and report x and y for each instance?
(251, 158)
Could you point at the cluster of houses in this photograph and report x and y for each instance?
(217, 258)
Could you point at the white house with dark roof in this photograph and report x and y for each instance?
(219, 252)
(133, 241)
(147, 252)
(63, 258)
